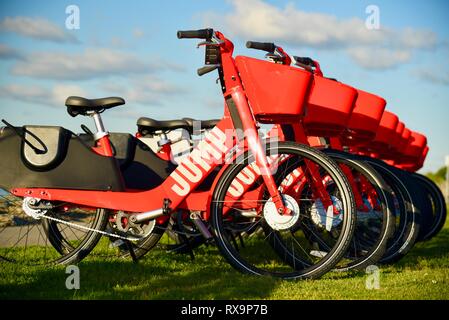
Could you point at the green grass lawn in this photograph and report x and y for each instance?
(423, 274)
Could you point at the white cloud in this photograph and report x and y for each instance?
(138, 33)
(54, 97)
(37, 28)
(416, 39)
(60, 92)
(262, 21)
(378, 58)
(148, 90)
(433, 76)
(24, 93)
(258, 20)
(9, 53)
(144, 90)
(89, 64)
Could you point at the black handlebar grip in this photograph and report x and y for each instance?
(196, 34)
(264, 46)
(206, 69)
(305, 60)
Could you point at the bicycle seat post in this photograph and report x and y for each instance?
(101, 131)
(101, 137)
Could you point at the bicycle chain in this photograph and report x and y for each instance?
(92, 229)
(105, 233)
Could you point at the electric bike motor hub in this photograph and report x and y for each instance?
(326, 218)
(278, 221)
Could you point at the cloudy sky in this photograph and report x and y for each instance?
(130, 49)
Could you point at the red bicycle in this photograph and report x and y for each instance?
(374, 204)
(55, 173)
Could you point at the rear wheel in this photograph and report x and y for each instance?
(59, 235)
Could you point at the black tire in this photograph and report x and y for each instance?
(76, 254)
(372, 235)
(423, 203)
(284, 269)
(408, 214)
(438, 207)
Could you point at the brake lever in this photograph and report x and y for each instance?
(273, 57)
(205, 43)
(305, 66)
(214, 41)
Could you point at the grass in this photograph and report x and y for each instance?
(422, 274)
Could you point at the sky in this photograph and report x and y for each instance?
(130, 49)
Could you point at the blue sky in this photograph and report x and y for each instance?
(130, 49)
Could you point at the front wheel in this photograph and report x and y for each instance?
(276, 245)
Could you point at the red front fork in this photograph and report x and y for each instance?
(312, 171)
(254, 144)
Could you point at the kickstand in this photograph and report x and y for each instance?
(242, 244)
(189, 247)
(234, 242)
(130, 248)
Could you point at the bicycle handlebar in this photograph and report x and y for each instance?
(196, 34)
(264, 46)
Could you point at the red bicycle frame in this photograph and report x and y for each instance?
(180, 185)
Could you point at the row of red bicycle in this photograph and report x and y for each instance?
(331, 186)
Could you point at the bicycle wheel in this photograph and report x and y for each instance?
(375, 221)
(47, 233)
(437, 206)
(407, 212)
(276, 245)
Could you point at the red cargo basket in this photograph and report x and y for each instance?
(423, 158)
(365, 117)
(416, 147)
(396, 142)
(276, 92)
(405, 140)
(329, 107)
(386, 131)
(393, 152)
(416, 164)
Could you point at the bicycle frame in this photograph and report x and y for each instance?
(181, 183)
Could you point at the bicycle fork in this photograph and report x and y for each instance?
(255, 146)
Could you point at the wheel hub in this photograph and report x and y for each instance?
(281, 222)
(325, 217)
